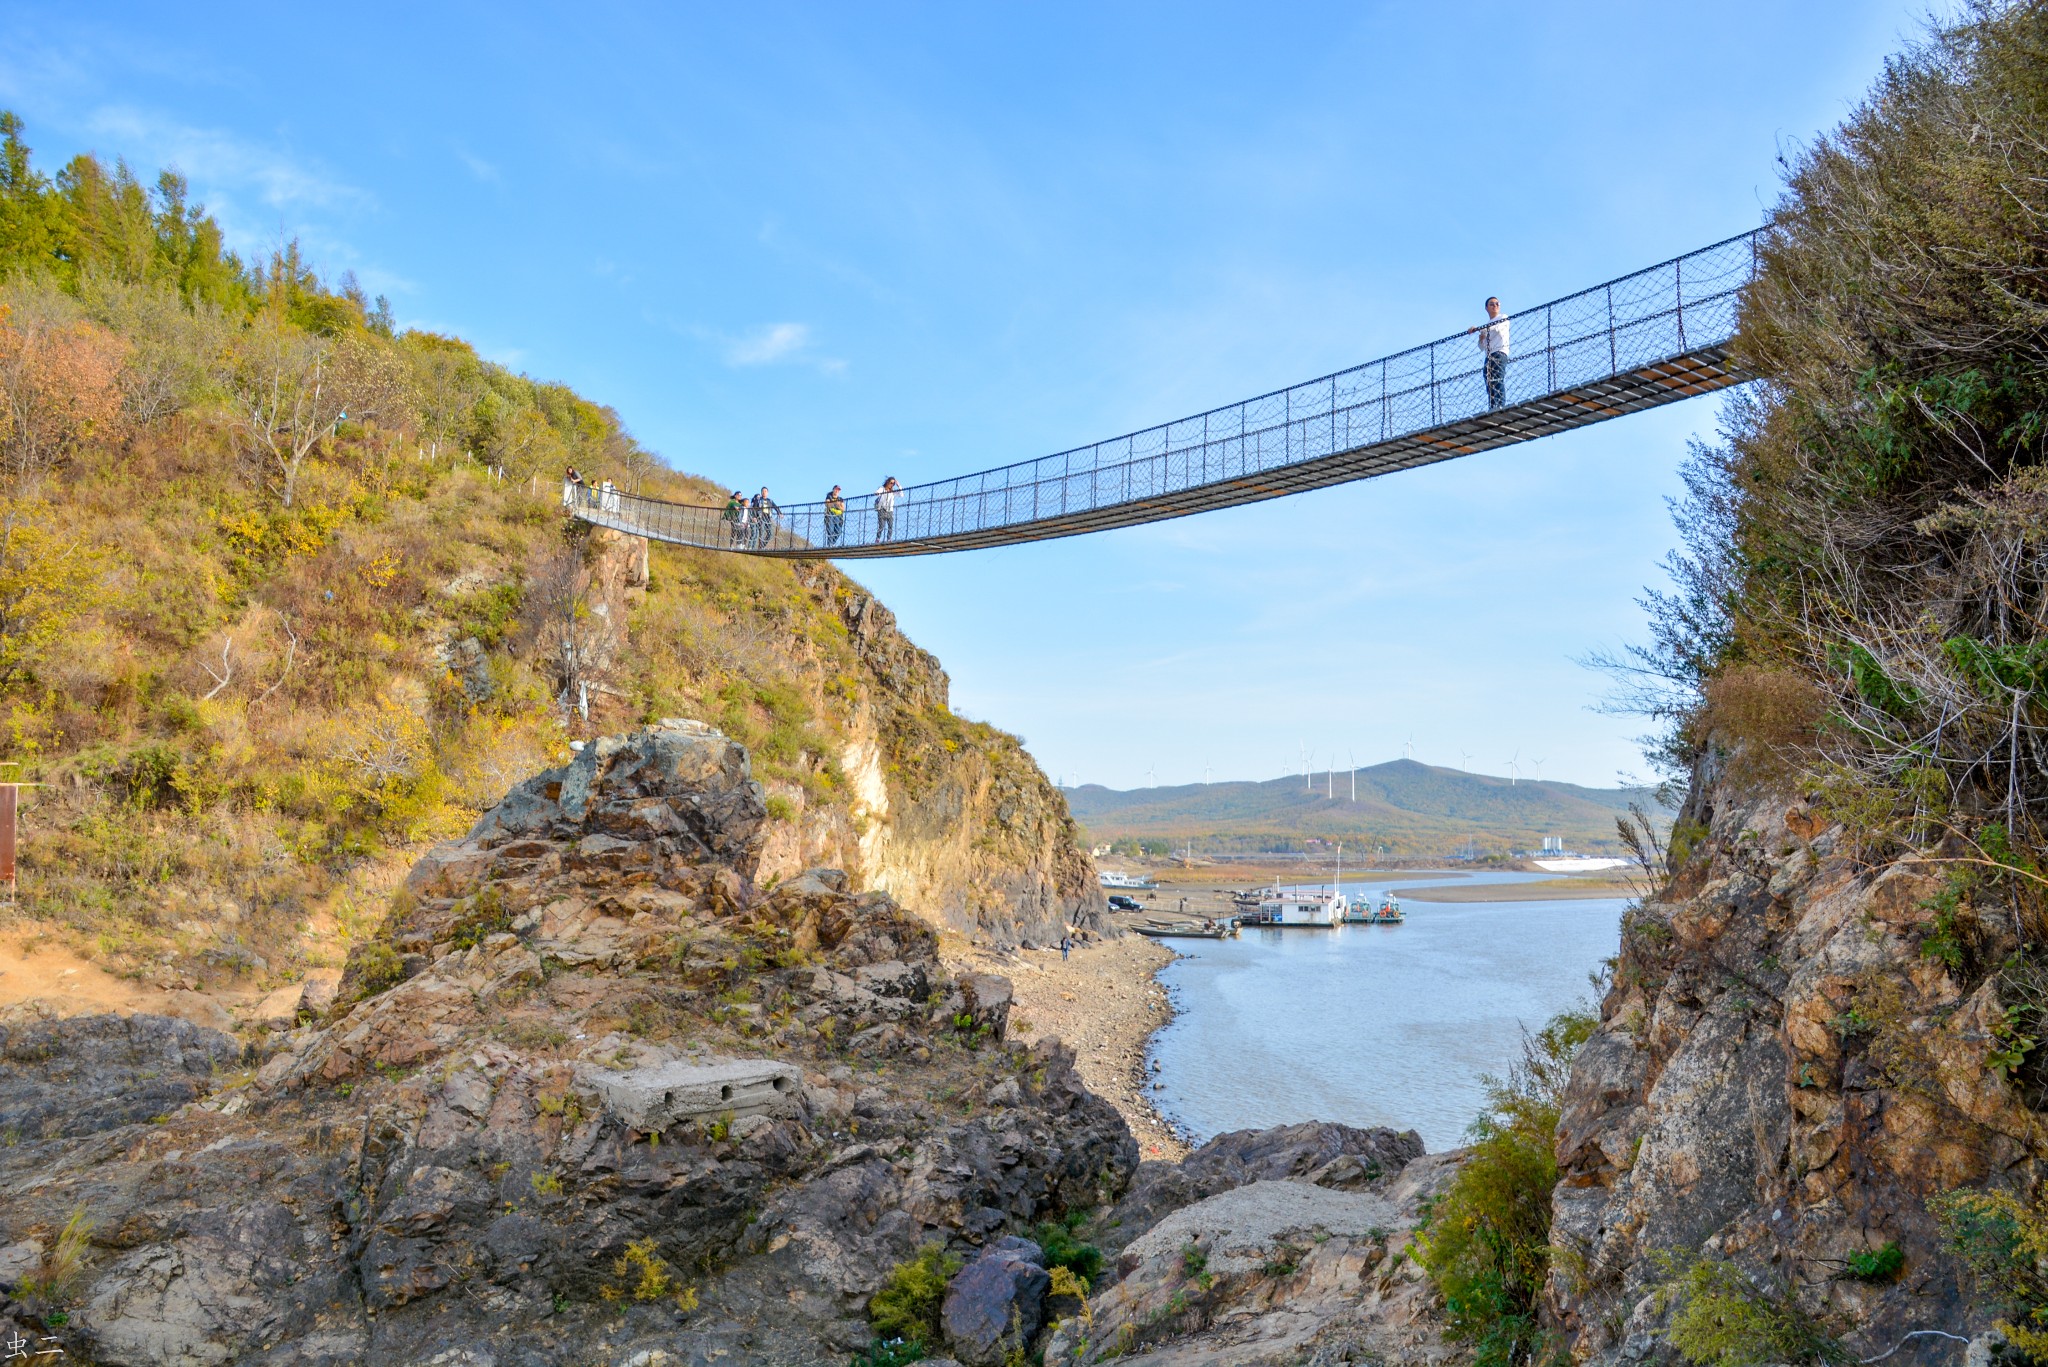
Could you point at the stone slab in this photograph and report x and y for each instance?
(661, 1095)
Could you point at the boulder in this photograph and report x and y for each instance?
(655, 1098)
(995, 1305)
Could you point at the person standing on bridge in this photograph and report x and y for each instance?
(1493, 344)
(765, 509)
(736, 519)
(835, 516)
(885, 509)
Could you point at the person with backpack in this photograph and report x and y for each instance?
(885, 509)
(835, 516)
(735, 516)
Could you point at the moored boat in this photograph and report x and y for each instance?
(1298, 908)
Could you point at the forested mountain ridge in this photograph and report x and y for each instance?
(1410, 808)
(286, 594)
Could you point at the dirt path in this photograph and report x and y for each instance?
(1103, 1002)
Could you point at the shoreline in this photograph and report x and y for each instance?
(1106, 1003)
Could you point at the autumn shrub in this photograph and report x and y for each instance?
(1721, 1317)
(2003, 1241)
(1485, 1243)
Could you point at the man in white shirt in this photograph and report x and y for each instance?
(885, 509)
(1493, 344)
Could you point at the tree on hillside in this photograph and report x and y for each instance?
(59, 378)
(285, 397)
(47, 581)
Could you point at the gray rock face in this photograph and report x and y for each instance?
(653, 1099)
(60, 1079)
(996, 1304)
(1314, 1151)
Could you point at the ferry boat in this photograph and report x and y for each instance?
(1389, 913)
(1321, 909)
(1111, 879)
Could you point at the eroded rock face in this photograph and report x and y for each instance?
(1783, 1078)
(1272, 1272)
(1315, 1151)
(452, 1168)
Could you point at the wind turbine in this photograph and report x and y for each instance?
(1514, 772)
(1352, 759)
(1152, 777)
(1330, 777)
(1408, 747)
(1539, 769)
(1465, 761)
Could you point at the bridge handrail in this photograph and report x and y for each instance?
(1649, 320)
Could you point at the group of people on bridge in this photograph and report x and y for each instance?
(750, 522)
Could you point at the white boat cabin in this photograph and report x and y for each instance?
(1304, 909)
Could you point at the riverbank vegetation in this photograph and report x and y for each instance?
(1485, 1243)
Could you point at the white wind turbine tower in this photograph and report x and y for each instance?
(1465, 761)
(1330, 777)
(1408, 747)
(1152, 777)
(1514, 771)
(1308, 784)
(1539, 769)
(1352, 758)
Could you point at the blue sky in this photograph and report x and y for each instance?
(807, 244)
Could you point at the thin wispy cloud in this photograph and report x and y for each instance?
(478, 167)
(209, 155)
(769, 343)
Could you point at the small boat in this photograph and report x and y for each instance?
(1389, 913)
(1189, 930)
(1298, 908)
(1111, 879)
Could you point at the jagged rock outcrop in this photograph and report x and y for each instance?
(1263, 1247)
(970, 833)
(1784, 1076)
(434, 1174)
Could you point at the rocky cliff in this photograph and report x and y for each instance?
(951, 817)
(596, 1093)
(1796, 1059)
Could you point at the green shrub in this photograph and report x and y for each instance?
(1485, 1244)
(907, 1306)
(1875, 1264)
(1723, 1319)
(2004, 1243)
(1063, 1248)
(376, 966)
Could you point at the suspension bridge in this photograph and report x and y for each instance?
(1646, 339)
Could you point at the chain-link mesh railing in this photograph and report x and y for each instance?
(1636, 324)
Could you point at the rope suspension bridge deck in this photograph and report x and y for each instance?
(1651, 338)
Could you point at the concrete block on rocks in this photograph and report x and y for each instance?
(665, 1094)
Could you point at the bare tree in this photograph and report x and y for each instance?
(285, 396)
(574, 635)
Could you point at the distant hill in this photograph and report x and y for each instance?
(1408, 807)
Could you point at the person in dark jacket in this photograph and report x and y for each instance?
(764, 510)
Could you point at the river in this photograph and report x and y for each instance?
(1372, 1025)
